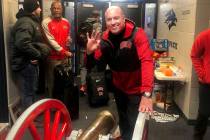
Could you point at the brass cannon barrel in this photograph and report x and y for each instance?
(103, 123)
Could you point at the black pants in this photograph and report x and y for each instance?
(203, 111)
(127, 107)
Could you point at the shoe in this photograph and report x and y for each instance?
(82, 90)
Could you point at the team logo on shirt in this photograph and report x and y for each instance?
(53, 27)
(65, 27)
(125, 44)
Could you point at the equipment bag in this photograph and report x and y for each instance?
(66, 90)
(96, 89)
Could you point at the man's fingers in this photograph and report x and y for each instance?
(88, 37)
(142, 109)
(145, 109)
(93, 34)
(98, 35)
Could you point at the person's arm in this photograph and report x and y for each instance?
(43, 48)
(147, 63)
(147, 69)
(94, 52)
(96, 59)
(196, 56)
(23, 41)
(69, 39)
(68, 42)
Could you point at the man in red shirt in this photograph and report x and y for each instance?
(125, 48)
(200, 55)
(57, 30)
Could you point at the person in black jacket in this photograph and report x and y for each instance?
(91, 24)
(27, 49)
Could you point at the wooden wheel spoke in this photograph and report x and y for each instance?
(55, 125)
(47, 125)
(62, 131)
(34, 131)
(49, 130)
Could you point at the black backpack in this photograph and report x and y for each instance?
(66, 90)
(97, 89)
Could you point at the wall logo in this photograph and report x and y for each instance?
(170, 18)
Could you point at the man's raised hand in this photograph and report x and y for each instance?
(93, 41)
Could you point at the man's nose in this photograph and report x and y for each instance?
(57, 9)
(40, 9)
(113, 21)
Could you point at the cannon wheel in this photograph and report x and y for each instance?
(55, 129)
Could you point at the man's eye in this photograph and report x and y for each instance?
(109, 20)
(116, 18)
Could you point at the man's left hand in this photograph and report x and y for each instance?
(68, 54)
(146, 104)
(68, 41)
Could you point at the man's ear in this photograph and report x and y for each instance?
(124, 20)
(123, 17)
(209, 23)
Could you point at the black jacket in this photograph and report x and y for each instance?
(26, 41)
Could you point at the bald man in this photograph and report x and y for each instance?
(125, 48)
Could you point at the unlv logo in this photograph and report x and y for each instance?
(100, 91)
(125, 44)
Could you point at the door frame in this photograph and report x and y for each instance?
(4, 117)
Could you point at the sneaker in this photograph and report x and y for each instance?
(82, 90)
